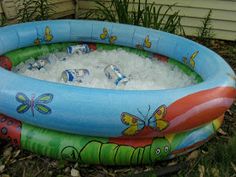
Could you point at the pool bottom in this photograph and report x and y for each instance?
(21, 55)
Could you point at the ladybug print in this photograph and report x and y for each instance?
(10, 130)
(5, 62)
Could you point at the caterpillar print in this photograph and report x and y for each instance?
(113, 151)
(115, 154)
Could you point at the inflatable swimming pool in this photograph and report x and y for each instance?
(113, 113)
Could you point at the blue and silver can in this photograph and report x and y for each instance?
(75, 75)
(81, 48)
(114, 74)
(39, 64)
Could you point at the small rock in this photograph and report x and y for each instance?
(67, 169)
(204, 152)
(16, 153)
(172, 163)
(230, 112)
(2, 167)
(201, 170)
(215, 172)
(76, 165)
(123, 170)
(12, 161)
(54, 164)
(7, 152)
(222, 132)
(234, 166)
(148, 168)
(193, 155)
(74, 173)
(5, 175)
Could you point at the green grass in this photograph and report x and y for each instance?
(217, 160)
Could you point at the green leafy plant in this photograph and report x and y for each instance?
(205, 31)
(34, 10)
(148, 15)
(117, 11)
(3, 20)
(137, 13)
(160, 19)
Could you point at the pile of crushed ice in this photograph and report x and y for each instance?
(142, 73)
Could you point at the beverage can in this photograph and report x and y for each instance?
(75, 75)
(61, 56)
(81, 48)
(114, 74)
(40, 63)
(20, 68)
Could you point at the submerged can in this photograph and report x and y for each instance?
(114, 74)
(75, 75)
(82, 48)
(40, 63)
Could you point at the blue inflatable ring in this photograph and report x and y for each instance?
(113, 113)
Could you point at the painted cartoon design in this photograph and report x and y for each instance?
(198, 108)
(70, 153)
(10, 130)
(98, 152)
(38, 104)
(106, 151)
(146, 43)
(156, 121)
(191, 60)
(105, 35)
(37, 41)
(185, 60)
(5, 62)
(160, 57)
(47, 36)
